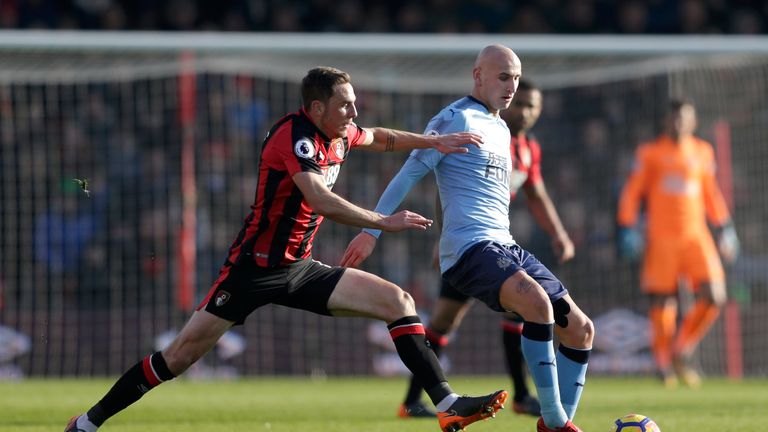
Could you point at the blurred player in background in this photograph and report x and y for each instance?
(270, 261)
(478, 255)
(674, 176)
(451, 306)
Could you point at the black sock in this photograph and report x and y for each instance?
(141, 378)
(511, 331)
(436, 341)
(411, 344)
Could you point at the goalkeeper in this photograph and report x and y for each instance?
(675, 177)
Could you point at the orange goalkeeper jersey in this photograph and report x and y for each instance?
(678, 184)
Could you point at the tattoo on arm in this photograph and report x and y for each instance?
(390, 142)
(525, 286)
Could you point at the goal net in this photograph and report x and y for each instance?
(128, 162)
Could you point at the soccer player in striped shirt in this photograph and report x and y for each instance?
(270, 260)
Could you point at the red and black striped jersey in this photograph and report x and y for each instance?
(526, 162)
(282, 225)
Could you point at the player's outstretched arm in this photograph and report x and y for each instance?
(328, 204)
(362, 246)
(383, 140)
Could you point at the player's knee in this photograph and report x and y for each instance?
(539, 309)
(580, 332)
(588, 332)
(524, 295)
(399, 304)
(407, 301)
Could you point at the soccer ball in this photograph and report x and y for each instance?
(635, 423)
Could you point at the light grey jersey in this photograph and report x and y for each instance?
(474, 186)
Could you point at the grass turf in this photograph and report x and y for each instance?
(366, 404)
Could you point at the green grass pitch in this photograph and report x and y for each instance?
(366, 404)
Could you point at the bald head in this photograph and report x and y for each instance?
(495, 53)
(496, 74)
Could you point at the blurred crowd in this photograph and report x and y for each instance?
(418, 16)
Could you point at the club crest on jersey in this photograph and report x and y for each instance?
(338, 148)
(431, 132)
(304, 148)
(503, 262)
(222, 298)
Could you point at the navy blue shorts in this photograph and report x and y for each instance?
(484, 267)
(447, 290)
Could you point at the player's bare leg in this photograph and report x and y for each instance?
(522, 293)
(198, 336)
(362, 294)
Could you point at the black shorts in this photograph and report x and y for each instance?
(242, 288)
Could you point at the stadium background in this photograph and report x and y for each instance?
(167, 129)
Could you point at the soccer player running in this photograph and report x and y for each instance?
(478, 255)
(675, 176)
(270, 261)
(452, 305)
